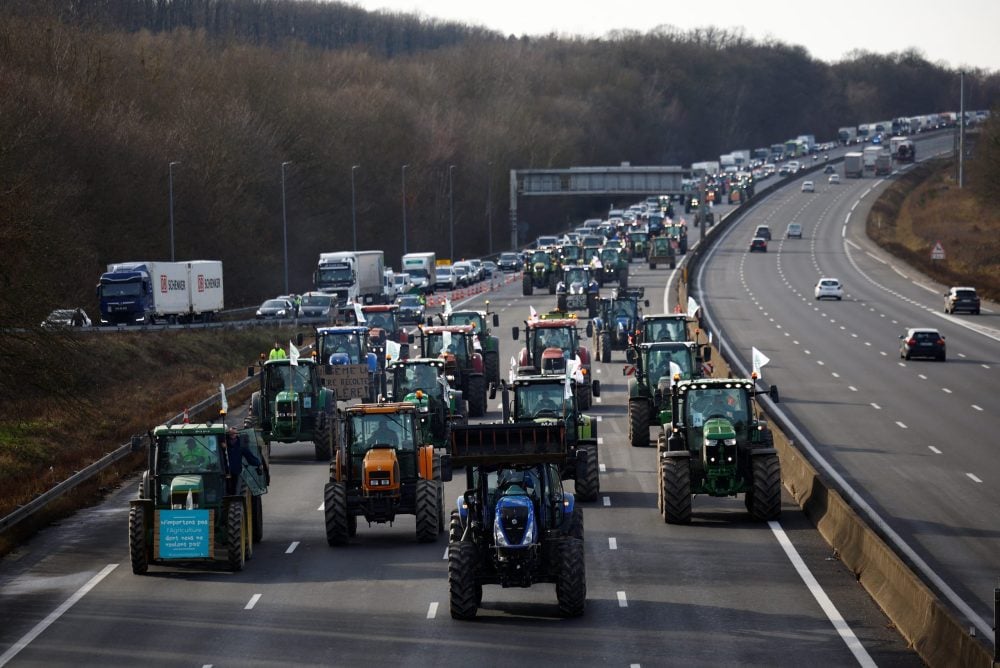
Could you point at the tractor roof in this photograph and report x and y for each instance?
(666, 316)
(190, 429)
(541, 379)
(417, 361)
(555, 323)
(387, 408)
(346, 329)
(715, 383)
(303, 361)
(454, 329)
(669, 345)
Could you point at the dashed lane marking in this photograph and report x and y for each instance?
(901, 425)
(876, 406)
(607, 501)
(291, 548)
(432, 610)
(252, 602)
(612, 543)
(622, 600)
(934, 450)
(973, 478)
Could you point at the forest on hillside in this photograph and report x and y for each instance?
(100, 96)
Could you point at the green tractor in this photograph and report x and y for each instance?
(423, 382)
(678, 232)
(184, 511)
(667, 327)
(293, 404)
(614, 266)
(541, 272)
(383, 469)
(543, 399)
(490, 344)
(718, 444)
(570, 254)
(655, 367)
(638, 244)
(662, 250)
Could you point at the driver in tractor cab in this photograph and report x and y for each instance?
(547, 402)
(712, 402)
(517, 482)
(300, 379)
(659, 366)
(384, 435)
(193, 455)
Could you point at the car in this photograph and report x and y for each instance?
(763, 231)
(829, 169)
(464, 274)
(66, 317)
(490, 268)
(276, 309)
(793, 231)
(961, 299)
(478, 270)
(509, 262)
(316, 305)
(411, 309)
(758, 244)
(403, 282)
(834, 179)
(829, 288)
(922, 342)
(444, 277)
(808, 187)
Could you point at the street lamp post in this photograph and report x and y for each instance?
(170, 170)
(354, 215)
(404, 209)
(284, 221)
(451, 212)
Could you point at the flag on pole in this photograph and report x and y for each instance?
(759, 360)
(692, 307)
(513, 369)
(447, 307)
(534, 314)
(445, 341)
(293, 354)
(225, 402)
(359, 315)
(392, 350)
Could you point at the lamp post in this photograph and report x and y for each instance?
(489, 204)
(451, 212)
(170, 170)
(284, 221)
(354, 214)
(404, 209)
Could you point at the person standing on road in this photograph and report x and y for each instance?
(277, 353)
(235, 454)
(298, 305)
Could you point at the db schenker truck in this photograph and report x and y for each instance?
(144, 293)
(853, 165)
(351, 276)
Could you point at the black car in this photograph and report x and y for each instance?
(922, 342)
(758, 244)
(411, 310)
(961, 299)
(509, 262)
(276, 308)
(763, 231)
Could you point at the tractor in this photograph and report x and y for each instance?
(543, 399)
(617, 321)
(490, 344)
(570, 254)
(184, 511)
(382, 321)
(560, 333)
(515, 526)
(638, 243)
(666, 327)
(655, 367)
(423, 382)
(717, 444)
(614, 266)
(293, 404)
(662, 250)
(678, 232)
(382, 469)
(542, 271)
(455, 344)
(578, 290)
(351, 345)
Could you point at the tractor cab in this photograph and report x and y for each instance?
(291, 394)
(667, 327)
(458, 346)
(423, 383)
(345, 345)
(571, 254)
(382, 321)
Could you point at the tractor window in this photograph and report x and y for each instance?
(666, 330)
(180, 453)
(577, 275)
(301, 378)
(413, 377)
(624, 309)
(473, 319)
(729, 403)
(379, 320)
(540, 400)
(342, 343)
(381, 429)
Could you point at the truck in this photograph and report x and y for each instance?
(808, 141)
(741, 157)
(902, 149)
(707, 168)
(420, 267)
(352, 276)
(777, 152)
(143, 293)
(847, 135)
(877, 161)
(853, 165)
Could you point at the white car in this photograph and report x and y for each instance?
(445, 278)
(834, 179)
(808, 187)
(793, 231)
(829, 288)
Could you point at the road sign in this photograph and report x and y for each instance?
(938, 252)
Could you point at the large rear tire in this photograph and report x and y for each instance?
(455, 529)
(675, 480)
(584, 396)
(477, 396)
(138, 547)
(571, 580)
(576, 523)
(605, 347)
(426, 510)
(253, 419)
(323, 436)
(527, 285)
(765, 500)
(235, 536)
(588, 481)
(335, 510)
(491, 367)
(638, 422)
(553, 280)
(463, 594)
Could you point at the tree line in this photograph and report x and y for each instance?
(102, 95)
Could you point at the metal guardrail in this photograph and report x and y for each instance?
(42, 500)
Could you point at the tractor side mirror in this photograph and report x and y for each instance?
(446, 470)
(515, 331)
(773, 393)
(496, 320)
(630, 355)
(404, 337)
(706, 354)
(493, 391)
(298, 339)
(646, 303)
(595, 387)
(136, 443)
(430, 321)
(249, 372)
(590, 328)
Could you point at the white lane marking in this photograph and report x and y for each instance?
(445, 557)
(599, 419)
(37, 630)
(973, 478)
(820, 362)
(899, 272)
(877, 259)
(432, 610)
(934, 450)
(835, 374)
(851, 640)
(598, 371)
(291, 548)
(901, 363)
(976, 407)
(928, 289)
(599, 400)
(985, 366)
(252, 602)
(600, 440)
(607, 501)
(876, 406)
(922, 376)
(622, 600)
(962, 355)
(946, 390)
(612, 543)
(322, 506)
(901, 425)
(852, 388)
(603, 468)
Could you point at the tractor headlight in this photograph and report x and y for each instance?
(730, 441)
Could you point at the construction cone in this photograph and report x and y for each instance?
(186, 418)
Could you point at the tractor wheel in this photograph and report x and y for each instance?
(477, 396)
(623, 277)
(638, 422)
(552, 283)
(335, 509)
(561, 303)
(659, 474)
(138, 549)
(571, 578)
(455, 529)
(257, 515)
(652, 265)
(675, 479)
(236, 543)
(527, 285)
(491, 367)
(588, 482)
(576, 523)
(463, 592)
(605, 347)
(253, 419)
(323, 436)
(765, 500)
(440, 515)
(426, 510)
(585, 397)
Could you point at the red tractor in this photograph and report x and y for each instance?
(559, 333)
(456, 345)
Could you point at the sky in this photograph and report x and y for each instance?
(963, 35)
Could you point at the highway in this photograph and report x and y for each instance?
(915, 439)
(722, 591)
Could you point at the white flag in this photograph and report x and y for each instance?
(293, 354)
(513, 369)
(392, 350)
(445, 341)
(692, 307)
(575, 369)
(675, 372)
(358, 313)
(759, 360)
(534, 314)
(447, 307)
(225, 402)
